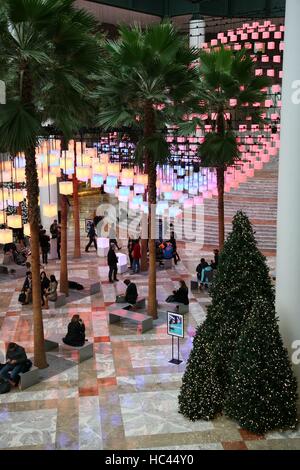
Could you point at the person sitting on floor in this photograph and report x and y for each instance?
(180, 295)
(76, 332)
(51, 292)
(16, 362)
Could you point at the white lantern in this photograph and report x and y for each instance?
(6, 236)
(55, 170)
(26, 230)
(20, 175)
(48, 180)
(66, 187)
(113, 169)
(50, 210)
(2, 217)
(18, 195)
(99, 168)
(83, 173)
(14, 221)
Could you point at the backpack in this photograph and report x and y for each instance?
(75, 285)
(4, 386)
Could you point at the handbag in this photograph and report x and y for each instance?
(4, 386)
(22, 297)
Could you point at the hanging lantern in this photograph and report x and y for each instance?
(85, 160)
(55, 171)
(2, 217)
(18, 195)
(26, 230)
(141, 179)
(66, 187)
(50, 210)
(6, 236)
(67, 163)
(83, 173)
(20, 175)
(99, 168)
(104, 157)
(113, 169)
(97, 181)
(14, 221)
(48, 180)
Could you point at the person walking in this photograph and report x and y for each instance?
(92, 236)
(112, 261)
(136, 256)
(45, 246)
(54, 229)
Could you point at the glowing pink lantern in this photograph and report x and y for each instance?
(281, 46)
(266, 35)
(276, 88)
(237, 47)
(233, 102)
(214, 42)
(280, 76)
(268, 103)
(248, 45)
(271, 73)
(271, 45)
(282, 28)
(220, 35)
(233, 38)
(274, 116)
(224, 40)
(258, 72)
(244, 37)
(277, 35)
(265, 58)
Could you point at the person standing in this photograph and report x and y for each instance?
(112, 261)
(92, 236)
(45, 246)
(136, 256)
(130, 248)
(54, 229)
(58, 240)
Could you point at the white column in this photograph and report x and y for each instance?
(288, 224)
(197, 32)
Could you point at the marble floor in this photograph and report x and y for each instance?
(125, 397)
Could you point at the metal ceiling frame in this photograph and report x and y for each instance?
(220, 8)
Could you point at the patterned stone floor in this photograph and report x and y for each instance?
(125, 397)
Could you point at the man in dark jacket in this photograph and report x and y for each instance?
(92, 236)
(16, 361)
(131, 293)
(112, 261)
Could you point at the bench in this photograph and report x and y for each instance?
(59, 302)
(179, 308)
(85, 352)
(140, 303)
(29, 378)
(167, 263)
(95, 288)
(16, 270)
(145, 321)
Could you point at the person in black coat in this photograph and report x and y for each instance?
(76, 332)
(112, 261)
(16, 362)
(92, 236)
(45, 245)
(131, 293)
(45, 283)
(202, 265)
(180, 295)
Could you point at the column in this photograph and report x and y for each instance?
(197, 31)
(288, 223)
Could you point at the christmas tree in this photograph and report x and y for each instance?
(241, 278)
(263, 390)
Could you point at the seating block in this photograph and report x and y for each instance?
(179, 308)
(144, 321)
(59, 302)
(95, 288)
(167, 263)
(50, 345)
(29, 378)
(85, 352)
(140, 303)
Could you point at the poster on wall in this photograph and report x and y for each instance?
(175, 324)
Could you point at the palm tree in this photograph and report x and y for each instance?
(226, 74)
(145, 73)
(50, 49)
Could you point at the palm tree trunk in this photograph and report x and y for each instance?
(64, 284)
(149, 129)
(77, 252)
(32, 185)
(220, 186)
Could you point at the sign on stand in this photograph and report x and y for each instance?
(175, 328)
